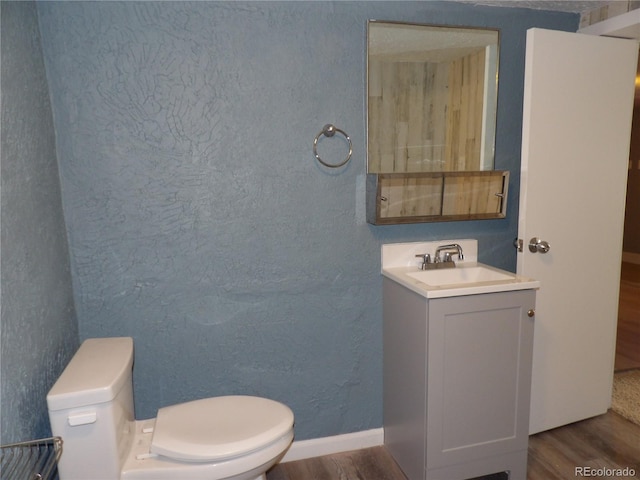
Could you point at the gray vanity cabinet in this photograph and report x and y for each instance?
(457, 381)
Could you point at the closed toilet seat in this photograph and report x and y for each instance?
(219, 428)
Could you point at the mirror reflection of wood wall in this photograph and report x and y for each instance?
(426, 116)
(440, 196)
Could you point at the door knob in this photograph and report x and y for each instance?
(537, 245)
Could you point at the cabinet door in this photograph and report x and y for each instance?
(436, 196)
(479, 376)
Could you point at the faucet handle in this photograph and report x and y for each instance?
(426, 260)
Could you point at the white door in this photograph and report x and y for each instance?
(578, 104)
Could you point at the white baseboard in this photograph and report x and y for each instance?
(317, 447)
(631, 257)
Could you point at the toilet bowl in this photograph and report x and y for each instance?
(219, 438)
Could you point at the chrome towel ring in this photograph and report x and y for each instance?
(329, 131)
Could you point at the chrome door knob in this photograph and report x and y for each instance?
(537, 245)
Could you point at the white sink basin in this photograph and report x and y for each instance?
(401, 265)
(459, 275)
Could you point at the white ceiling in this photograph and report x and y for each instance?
(574, 6)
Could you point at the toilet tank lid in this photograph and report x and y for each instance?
(95, 374)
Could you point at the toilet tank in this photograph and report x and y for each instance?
(91, 408)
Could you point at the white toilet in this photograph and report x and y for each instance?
(91, 408)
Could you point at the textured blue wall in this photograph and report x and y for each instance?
(38, 327)
(199, 222)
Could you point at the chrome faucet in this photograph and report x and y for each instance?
(447, 256)
(440, 261)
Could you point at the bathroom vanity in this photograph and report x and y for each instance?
(457, 365)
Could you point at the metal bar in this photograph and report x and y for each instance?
(33, 460)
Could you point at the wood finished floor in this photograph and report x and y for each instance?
(628, 338)
(607, 441)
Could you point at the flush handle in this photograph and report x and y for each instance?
(537, 245)
(82, 418)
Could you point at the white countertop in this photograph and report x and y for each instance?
(399, 259)
(514, 282)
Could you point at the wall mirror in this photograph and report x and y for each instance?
(431, 109)
(431, 98)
